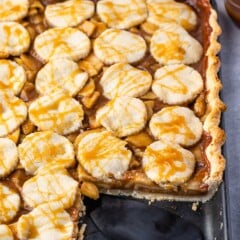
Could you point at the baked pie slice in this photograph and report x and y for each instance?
(109, 96)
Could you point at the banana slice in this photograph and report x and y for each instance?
(12, 76)
(177, 84)
(123, 115)
(122, 14)
(47, 147)
(47, 221)
(13, 112)
(65, 42)
(103, 155)
(61, 73)
(8, 156)
(56, 111)
(14, 39)
(176, 124)
(69, 13)
(172, 44)
(13, 10)
(165, 162)
(49, 186)
(5, 232)
(122, 79)
(9, 203)
(114, 46)
(170, 11)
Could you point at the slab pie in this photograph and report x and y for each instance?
(107, 96)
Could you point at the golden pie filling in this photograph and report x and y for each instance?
(102, 96)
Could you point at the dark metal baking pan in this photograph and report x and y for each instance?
(121, 218)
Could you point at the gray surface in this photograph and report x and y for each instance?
(230, 75)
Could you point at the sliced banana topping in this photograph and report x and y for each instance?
(122, 14)
(56, 111)
(65, 42)
(13, 112)
(69, 13)
(47, 221)
(103, 155)
(165, 162)
(47, 147)
(171, 11)
(177, 84)
(14, 39)
(5, 232)
(123, 116)
(13, 10)
(121, 79)
(61, 73)
(9, 203)
(12, 76)
(176, 124)
(114, 46)
(172, 44)
(8, 156)
(49, 186)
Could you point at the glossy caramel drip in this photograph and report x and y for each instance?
(177, 125)
(11, 31)
(10, 116)
(170, 50)
(108, 46)
(8, 208)
(171, 12)
(114, 15)
(8, 9)
(168, 161)
(102, 148)
(181, 87)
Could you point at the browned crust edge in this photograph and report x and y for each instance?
(211, 121)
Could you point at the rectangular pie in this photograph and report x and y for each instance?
(110, 96)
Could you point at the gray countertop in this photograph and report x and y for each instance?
(230, 75)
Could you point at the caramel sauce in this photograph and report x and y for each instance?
(165, 159)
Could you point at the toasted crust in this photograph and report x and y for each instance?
(211, 121)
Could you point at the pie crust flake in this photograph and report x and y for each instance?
(109, 96)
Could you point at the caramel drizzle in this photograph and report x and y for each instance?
(57, 43)
(8, 8)
(173, 49)
(47, 111)
(171, 12)
(126, 120)
(127, 80)
(180, 87)
(110, 49)
(118, 13)
(52, 80)
(10, 79)
(3, 161)
(103, 147)
(177, 125)
(10, 31)
(164, 160)
(52, 179)
(7, 207)
(71, 11)
(51, 152)
(9, 112)
(53, 216)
